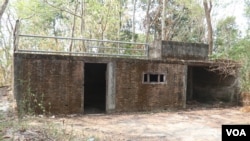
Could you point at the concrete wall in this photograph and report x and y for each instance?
(155, 50)
(178, 50)
(188, 51)
(133, 95)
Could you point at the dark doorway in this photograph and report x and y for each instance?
(206, 86)
(202, 84)
(94, 88)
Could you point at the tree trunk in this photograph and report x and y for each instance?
(82, 16)
(73, 30)
(3, 7)
(120, 21)
(148, 21)
(208, 9)
(133, 24)
(83, 48)
(163, 17)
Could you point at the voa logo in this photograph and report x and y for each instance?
(236, 132)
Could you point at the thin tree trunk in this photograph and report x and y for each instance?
(83, 24)
(209, 25)
(55, 34)
(3, 7)
(73, 29)
(120, 26)
(133, 24)
(148, 21)
(163, 20)
(82, 16)
(120, 20)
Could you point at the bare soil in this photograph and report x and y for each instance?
(199, 122)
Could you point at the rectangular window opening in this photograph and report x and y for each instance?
(145, 78)
(153, 78)
(161, 78)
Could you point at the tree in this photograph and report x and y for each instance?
(133, 21)
(163, 18)
(226, 34)
(148, 20)
(183, 21)
(6, 28)
(3, 7)
(229, 45)
(208, 9)
(247, 15)
(71, 18)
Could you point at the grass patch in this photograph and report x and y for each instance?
(40, 128)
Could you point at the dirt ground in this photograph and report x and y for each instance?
(196, 123)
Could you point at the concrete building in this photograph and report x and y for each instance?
(173, 74)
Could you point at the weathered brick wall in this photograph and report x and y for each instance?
(133, 95)
(57, 81)
(51, 84)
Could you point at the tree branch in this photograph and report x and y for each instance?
(62, 9)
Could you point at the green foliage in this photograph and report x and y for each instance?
(226, 35)
(37, 16)
(240, 52)
(30, 103)
(101, 20)
(184, 21)
(126, 35)
(247, 14)
(229, 45)
(247, 8)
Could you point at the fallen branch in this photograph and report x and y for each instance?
(225, 68)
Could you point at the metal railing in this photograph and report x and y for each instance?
(77, 46)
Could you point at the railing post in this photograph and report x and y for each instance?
(118, 50)
(16, 35)
(147, 51)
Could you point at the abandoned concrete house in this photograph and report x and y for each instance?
(171, 74)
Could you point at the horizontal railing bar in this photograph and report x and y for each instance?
(115, 48)
(82, 39)
(44, 51)
(56, 52)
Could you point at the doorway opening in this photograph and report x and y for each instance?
(209, 87)
(94, 88)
